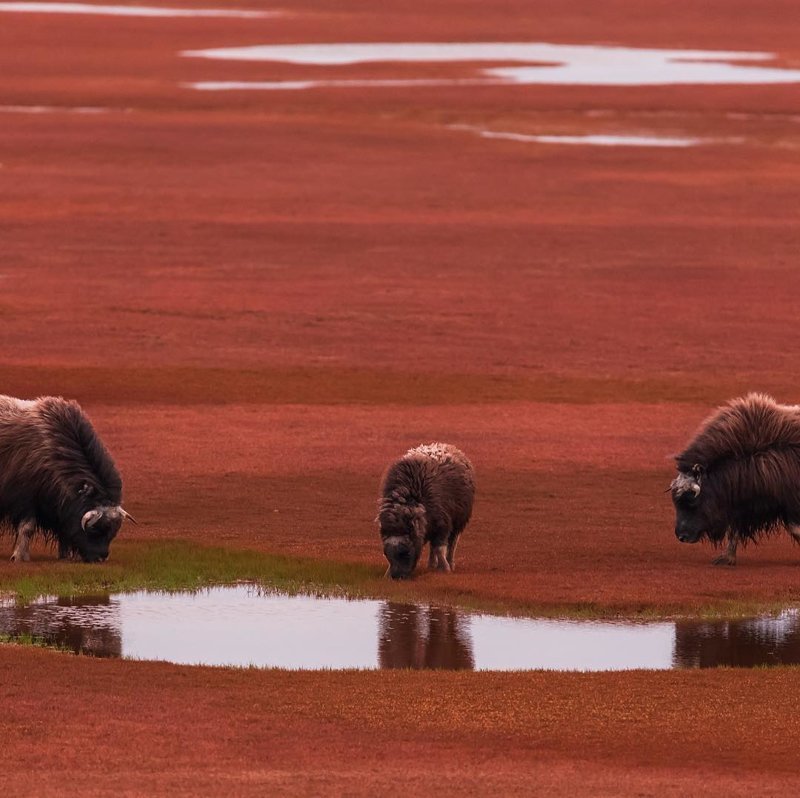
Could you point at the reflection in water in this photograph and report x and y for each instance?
(413, 636)
(86, 625)
(739, 644)
(242, 625)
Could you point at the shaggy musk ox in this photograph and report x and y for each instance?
(740, 476)
(57, 479)
(426, 498)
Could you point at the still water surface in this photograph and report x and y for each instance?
(242, 625)
(516, 63)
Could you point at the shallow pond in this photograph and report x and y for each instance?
(526, 63)
(242, 625)
(128, 10)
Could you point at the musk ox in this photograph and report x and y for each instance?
(740, 476)
(57, 479)
(426, 497)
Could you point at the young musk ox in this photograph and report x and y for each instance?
(426, 498)
(740, 476)
(57, 479)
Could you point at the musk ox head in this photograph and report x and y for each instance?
(95, 527)
(696, 514)
(403, 535)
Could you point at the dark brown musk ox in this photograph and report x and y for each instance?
(57, 479)
(426, 497)
(740, 476)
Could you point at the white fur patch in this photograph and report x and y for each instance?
(683, 483)
(394, 541)
(441, 452)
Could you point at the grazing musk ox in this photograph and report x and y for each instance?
(57, 479)
(740, 476)
(426, 497)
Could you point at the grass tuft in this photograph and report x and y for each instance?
(175, 565)
(26, 639)
(178, 565)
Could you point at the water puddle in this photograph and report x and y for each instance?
(297, 85)
(532, 63)
(594, 140)
(243, 626)
(53, 109)
(130, 11)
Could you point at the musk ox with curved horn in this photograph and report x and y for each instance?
(740, 476)
(57, 479)
(426, 497)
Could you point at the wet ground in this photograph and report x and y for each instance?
(244, 626)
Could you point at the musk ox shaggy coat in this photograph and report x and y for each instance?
(740, 476)
(426, 498)
(57, 479)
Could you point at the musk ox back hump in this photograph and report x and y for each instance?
(444, 454)
(746, 427)
(76, 450)
(438, 476)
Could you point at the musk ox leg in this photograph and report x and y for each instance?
(433, 559)
(22, 545)
(794, 531)
(729, 558)
(451, 552)
(438, 558)
(441, 557)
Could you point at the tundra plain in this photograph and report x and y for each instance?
(262, 297)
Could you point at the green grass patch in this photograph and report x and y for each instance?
(29, 640)
(175, 565)
(443, 594)
(178, 565)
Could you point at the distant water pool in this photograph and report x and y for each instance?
(95, 9)
(520, 63)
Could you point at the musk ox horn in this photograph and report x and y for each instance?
(683, 483)
(126, 514)
(90, 518)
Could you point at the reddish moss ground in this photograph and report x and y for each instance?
(263, 298)
(104, 727)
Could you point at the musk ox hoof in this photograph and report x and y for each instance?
(724, 559)
(442, 566)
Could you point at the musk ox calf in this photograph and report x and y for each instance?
(57, 479)
(426, 498)
(740, 476)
